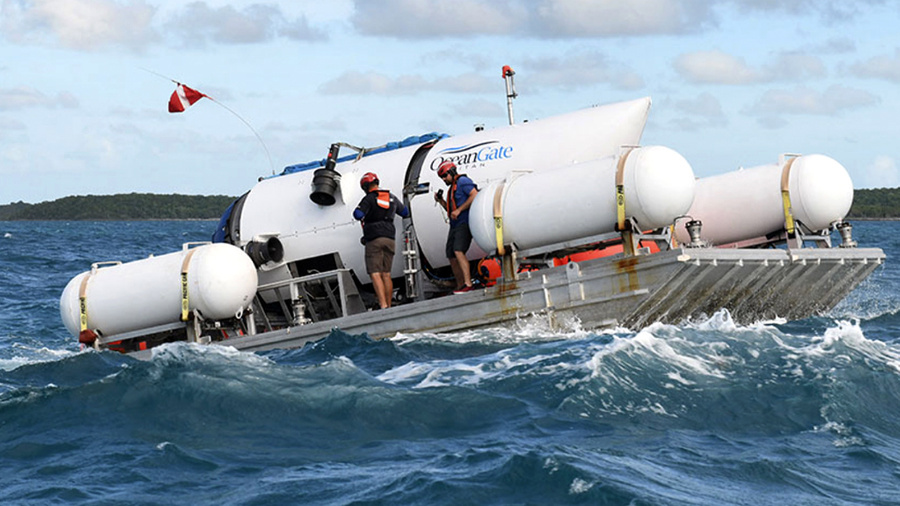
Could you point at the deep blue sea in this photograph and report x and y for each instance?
(709, 412)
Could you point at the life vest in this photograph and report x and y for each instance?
(383, 199)
(379, 220)
(451, 195)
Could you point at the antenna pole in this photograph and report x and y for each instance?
(508, 74)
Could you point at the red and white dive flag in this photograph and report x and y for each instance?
(183, 97)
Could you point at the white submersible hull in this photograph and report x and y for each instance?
(573, 224)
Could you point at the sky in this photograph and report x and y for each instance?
(84, 84)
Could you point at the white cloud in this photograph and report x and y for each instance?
(573, 18)
(19, 98)
(794, 66)
(882, 173)
(715, 67)
(879, 67)
(299, 29)
(772, 122)
(66, 100)
(96, 24)
(703, 111)
(11, 158)
(468, 82)
(836, 45)
(803, 100)
(718, 67)
(579, 69)
(374, 83)
(830, 10)
(198, 23)
(427, 19)
(530, 18)
(79, 24)
(453, 54)
(408, 19)
(10, 124)
(480, 108)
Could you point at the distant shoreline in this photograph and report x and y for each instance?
(121, 207)
(107, 219)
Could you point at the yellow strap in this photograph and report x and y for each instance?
(185, 303)
(620, 191)
(498, 219)
(82, 301)
(786, 196)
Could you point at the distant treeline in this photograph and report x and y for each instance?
(131, 206)
(879, 203)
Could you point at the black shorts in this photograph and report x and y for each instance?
(459, 239)
(379, 254)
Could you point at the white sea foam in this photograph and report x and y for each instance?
(580, 486)
(182, 351)
(846, 437)
(848, 334)
(13, 363)
(551, 464)
(443, 373)
(676, 376)
(533, 328)
(661, 349)
(405, 372)
(28, 356)
(471, 372)
(722, 321)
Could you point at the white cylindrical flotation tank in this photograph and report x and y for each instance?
(221, 282)
(576, 201)
(747, 203)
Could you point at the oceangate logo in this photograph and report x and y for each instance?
(472, 155)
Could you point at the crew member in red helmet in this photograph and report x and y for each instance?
(376, 211)
(459, 238)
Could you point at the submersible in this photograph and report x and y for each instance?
(286, 265)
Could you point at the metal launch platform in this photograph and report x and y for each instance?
(635, 291)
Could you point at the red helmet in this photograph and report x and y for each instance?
(446, 167)
(367, 179)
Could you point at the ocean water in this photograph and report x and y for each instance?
(710, 412)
